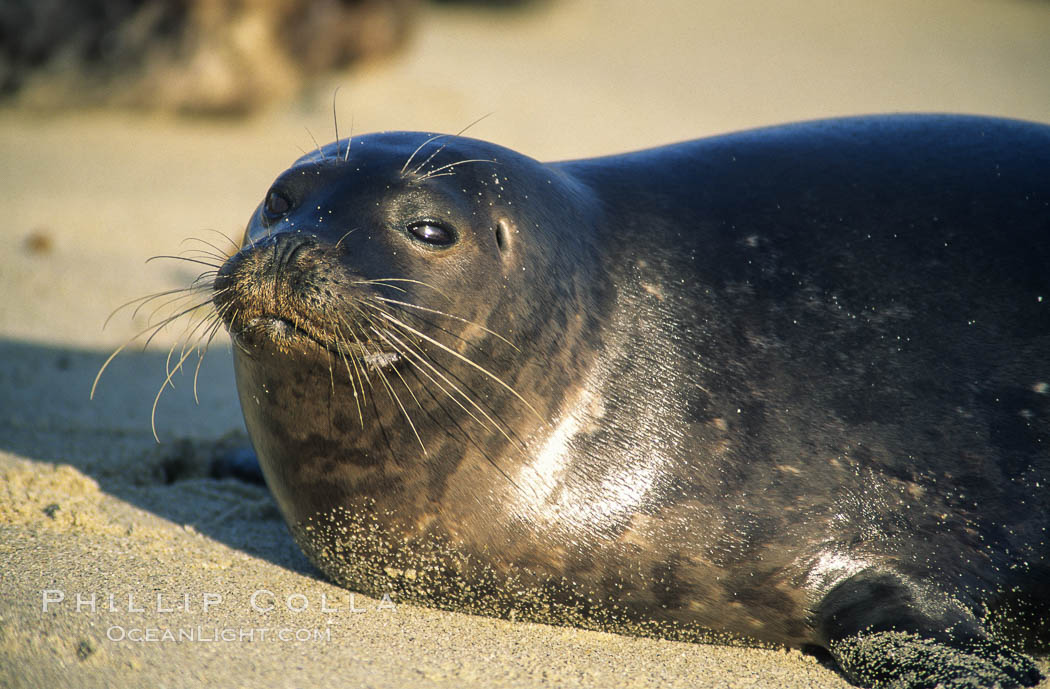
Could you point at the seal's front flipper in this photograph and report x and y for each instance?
(906, 660)
(886, 631)
(239, 463)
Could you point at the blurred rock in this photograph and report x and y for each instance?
(214, 57)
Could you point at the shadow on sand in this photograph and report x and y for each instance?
(46, 415)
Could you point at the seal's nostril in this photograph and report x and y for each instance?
(286, 247)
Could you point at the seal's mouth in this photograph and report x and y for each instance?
(280, 329)
(281, 333)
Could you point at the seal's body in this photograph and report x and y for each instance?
(791, 384)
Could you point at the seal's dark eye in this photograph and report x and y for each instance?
(277, 204)
(432, 233)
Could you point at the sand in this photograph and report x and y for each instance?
(98, 520)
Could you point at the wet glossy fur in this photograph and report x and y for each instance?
(791, 384)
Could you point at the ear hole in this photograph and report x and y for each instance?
(502, 235)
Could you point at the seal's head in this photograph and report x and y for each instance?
(402, 218)
(394, 299)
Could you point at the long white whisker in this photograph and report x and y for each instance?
(210, 333)
(349, 139)
(397, 400)
(418, 148)
(218, 251)
(235, 245)
(382, 282)
(353, 383)
(335, 120)
(184, 258)
(415, 171)
(145, 300)
(155, 328)
(459, 356)
(446, 315)
(156, 400)
(435, 171)
(315, 143)
(422, 360)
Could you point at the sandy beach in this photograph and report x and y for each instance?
(123, 563)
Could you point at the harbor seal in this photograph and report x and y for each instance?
(789, 385)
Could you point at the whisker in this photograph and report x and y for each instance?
(440, 174)
(519, 446)
(466, 436)
(218, 251)
(204, 280)
(155, 328)
(319, 150)
(391, 391)
(207, 323)
(410, 392)
(190, 294)
(183, 338)
(418, 149)
(421, 358)
(447, 315)
(236, 341)
(349, 140)
(156, 400)
(335, 120)
(432, 325)
(459, 356)
(382, 282)
(348, 232)
(353, 383)
(109, 359)
(201, 254)
(146, 299)
(235, 245)
(184, 258)
(210, 333)
(415, 171)
(397, 400)
(435, 171)
(480, 119)
(361, 376)
(331, 370)
(362, 371)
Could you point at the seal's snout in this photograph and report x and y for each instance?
(273, 259)
(275, 288)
